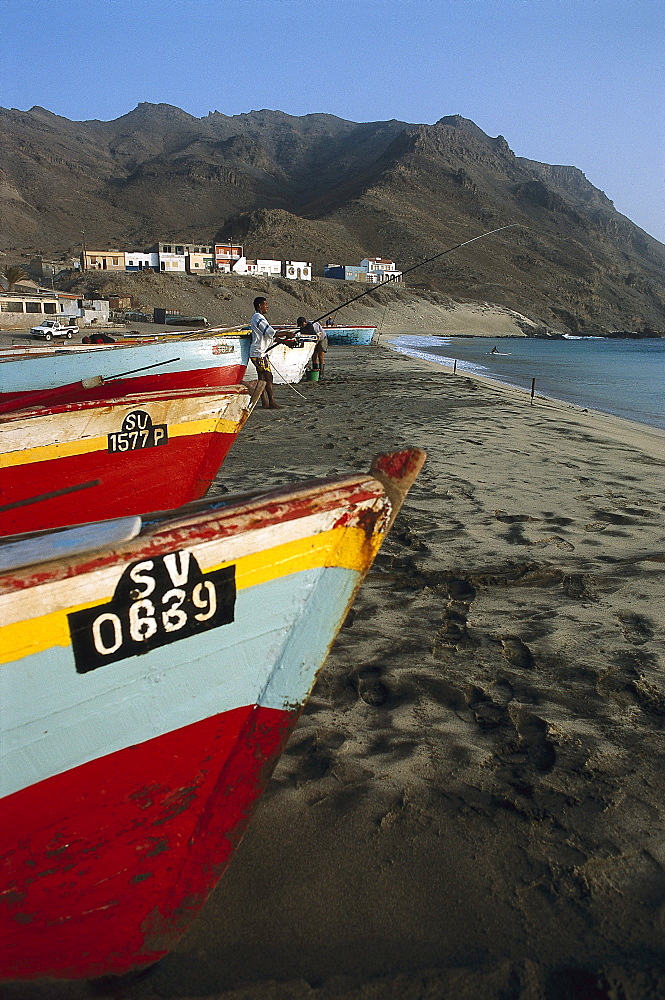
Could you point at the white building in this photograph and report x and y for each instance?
(297, 269)
(263, 268)
(94, 311)
(380, 269)
(140, 260)
(172, 263)
(237, 266)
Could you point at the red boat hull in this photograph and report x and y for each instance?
(92, 460)
(112, 829)
(193, 462)
(198, 378)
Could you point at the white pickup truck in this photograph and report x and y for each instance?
(53, 328)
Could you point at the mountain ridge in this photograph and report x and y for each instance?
(322, 188)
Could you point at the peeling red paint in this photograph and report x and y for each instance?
(135, 879)
(398, 464)
(103, 904)
(250, 516)
(158, 847)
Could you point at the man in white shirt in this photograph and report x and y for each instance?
(263, 338)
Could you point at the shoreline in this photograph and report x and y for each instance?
(391, 339)
(473, 801)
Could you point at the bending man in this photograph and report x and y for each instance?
(321, 346)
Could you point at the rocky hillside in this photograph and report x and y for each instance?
(226, 300)
(329, 190)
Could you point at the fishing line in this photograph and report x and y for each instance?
(287, 383)
(391, 281)
(380, 329)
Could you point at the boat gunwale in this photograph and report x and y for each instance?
(161, 531)
(136, 398)
(148, 341)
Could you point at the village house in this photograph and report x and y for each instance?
(345, 272)
(372, 269)
(69, 306)
(200, 263)
(262, 268)
(181, 249)
(27, 308)
(94, 311)
(228, 257)
(172, 263)
(141, 260)
(50, 269)
(379, 269)
(103, 260)
(298, 269)
(174, 257)
(23, 309)
(121, 303)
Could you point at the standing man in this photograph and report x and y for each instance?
(263, 338)
(321, 346)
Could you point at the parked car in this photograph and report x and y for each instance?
(51, 328)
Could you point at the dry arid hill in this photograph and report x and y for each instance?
(226, 300)
(328, 190)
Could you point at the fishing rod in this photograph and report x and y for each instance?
(133, 371)
(390, 281)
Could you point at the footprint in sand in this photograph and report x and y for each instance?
(532, 731)
(517, 652)
(636, 628)
(560, 543)
(370, 687)
(505, 518)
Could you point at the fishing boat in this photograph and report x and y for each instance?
(151, 676)
(290, 362)
(89, 371)
(100, 459)
(345, 335)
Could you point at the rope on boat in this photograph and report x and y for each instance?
(287, 383)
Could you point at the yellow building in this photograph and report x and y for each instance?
(103, 260)
(200, 263)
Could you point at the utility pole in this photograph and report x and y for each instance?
(83, 255)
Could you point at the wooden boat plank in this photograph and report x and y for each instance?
(135, 772)
(114, 448)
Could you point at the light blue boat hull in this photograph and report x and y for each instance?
(345, 335)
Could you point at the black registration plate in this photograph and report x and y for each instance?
(156, 601)
(138, 431)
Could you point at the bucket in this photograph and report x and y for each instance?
(313, 376)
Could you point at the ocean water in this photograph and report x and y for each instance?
(622, 377)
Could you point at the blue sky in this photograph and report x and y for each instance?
(577, 82)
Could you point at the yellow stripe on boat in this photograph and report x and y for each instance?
(346, 547)
(68, 449)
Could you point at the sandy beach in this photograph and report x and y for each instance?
(472, 805)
